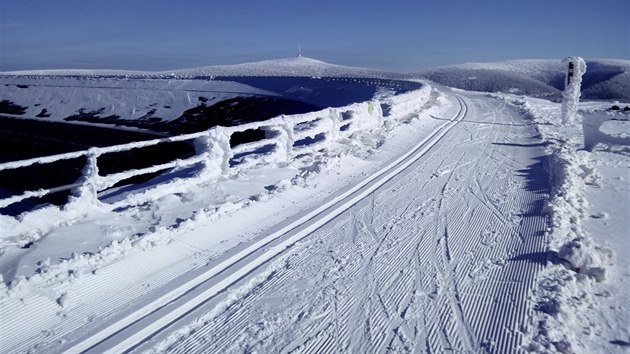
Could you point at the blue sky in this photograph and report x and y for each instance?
(392, 35)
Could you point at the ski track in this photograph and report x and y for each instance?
(441, 258)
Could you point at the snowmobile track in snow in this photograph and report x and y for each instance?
(143, 323)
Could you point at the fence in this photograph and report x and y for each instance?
(285, 137)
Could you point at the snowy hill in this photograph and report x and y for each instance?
(180, 105)
(604, 78)
(297, 66)
(196, 99)
(192, 99)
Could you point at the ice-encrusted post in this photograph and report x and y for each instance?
(284, 142)
(215, 149)
(88, 190)
(222, 151)
(287, 136)
(333, 117)
(203, 148)
(576, 67)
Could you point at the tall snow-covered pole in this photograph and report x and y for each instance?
(576, 67)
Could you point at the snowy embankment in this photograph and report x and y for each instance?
(582, 298)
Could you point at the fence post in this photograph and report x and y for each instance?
(203, 148)
(215, 148)
(288, 129)
(88, 190)
(333, 116)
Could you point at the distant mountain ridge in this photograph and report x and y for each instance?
(296, 66)
(604, 79)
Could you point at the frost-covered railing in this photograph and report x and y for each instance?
(285, 137)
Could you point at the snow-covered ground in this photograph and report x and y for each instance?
(52, 98)
(461, 222)
(583, 297)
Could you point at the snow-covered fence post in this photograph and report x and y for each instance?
(333, 117)
(88, 190)
(571, 94)
(377, 108)
(288, 134)
(284, 144)
(211, 165)
(214, 148)
(220, 151)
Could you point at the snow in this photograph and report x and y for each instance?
(125, 98)
(437, 220)
(385, 273)
(606, 79)
(229, 197)
(582, 298)
(296, 66)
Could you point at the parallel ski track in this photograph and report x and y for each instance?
(403, 270)
(143, 323)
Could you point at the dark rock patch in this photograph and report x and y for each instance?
(8, 107)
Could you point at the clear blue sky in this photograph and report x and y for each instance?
(393, 35)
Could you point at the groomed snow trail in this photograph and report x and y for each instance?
(440, 258)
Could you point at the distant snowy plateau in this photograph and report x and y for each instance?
(298, 206)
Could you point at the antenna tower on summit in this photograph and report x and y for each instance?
(299, 50)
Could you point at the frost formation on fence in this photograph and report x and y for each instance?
(286, 137)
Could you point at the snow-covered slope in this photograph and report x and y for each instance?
(188, 100)
(56, 98)
(604, 78)
(299, 66)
